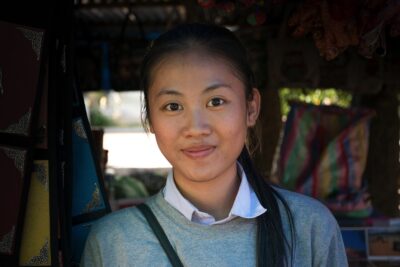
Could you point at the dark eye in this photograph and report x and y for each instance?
(173, 107)
(215, 102)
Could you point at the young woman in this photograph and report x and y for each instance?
(215, 209)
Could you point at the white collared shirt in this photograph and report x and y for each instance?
(246, 204)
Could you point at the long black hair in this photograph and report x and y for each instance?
(273, 247)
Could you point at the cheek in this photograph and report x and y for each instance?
(235, 126)
(164, 131)
(164, 142)
(154, 120)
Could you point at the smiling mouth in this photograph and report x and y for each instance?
(198, 152)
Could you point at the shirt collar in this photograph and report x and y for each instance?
(246, 204)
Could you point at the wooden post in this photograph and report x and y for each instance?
(270, 126)
(382, 170)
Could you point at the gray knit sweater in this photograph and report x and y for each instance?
(124, 238)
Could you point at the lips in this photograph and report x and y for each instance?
(197, 152)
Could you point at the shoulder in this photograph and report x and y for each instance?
(121, 221)
(117, 220)
(307, 210)
(122, 225)
(119, 237)
(297, 201)
(317, 233)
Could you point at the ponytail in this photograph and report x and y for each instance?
(272, 244)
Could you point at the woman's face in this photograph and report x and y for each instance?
(200, 115)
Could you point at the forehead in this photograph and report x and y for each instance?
(193, 63)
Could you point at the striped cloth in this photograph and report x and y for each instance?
(323, 155)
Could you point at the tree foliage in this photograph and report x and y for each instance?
(313, 96)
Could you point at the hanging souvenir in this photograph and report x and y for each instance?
(206, 3)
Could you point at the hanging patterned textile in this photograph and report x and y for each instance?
(38, 235)
(323, 154)
(21, 86)
(89, 199)
(51, 184)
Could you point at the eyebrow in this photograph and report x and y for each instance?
(216, 86)
(167, 91)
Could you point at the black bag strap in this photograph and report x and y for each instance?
(160, 234)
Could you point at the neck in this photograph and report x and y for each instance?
(215, 196)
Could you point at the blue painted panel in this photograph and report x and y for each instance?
(86, 196)
(79, 235)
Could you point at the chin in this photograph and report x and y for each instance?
(200, 177)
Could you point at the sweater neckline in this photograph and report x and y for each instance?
(160, 205)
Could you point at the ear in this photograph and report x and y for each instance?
(151, 129)
(253, 108)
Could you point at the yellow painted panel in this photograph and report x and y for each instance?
(35, 246)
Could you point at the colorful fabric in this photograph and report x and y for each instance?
(324, 152)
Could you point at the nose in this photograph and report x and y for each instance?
(197, 123)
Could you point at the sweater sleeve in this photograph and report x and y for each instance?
(328, 245)
(91, 255)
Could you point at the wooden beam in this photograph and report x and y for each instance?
(82, 4)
